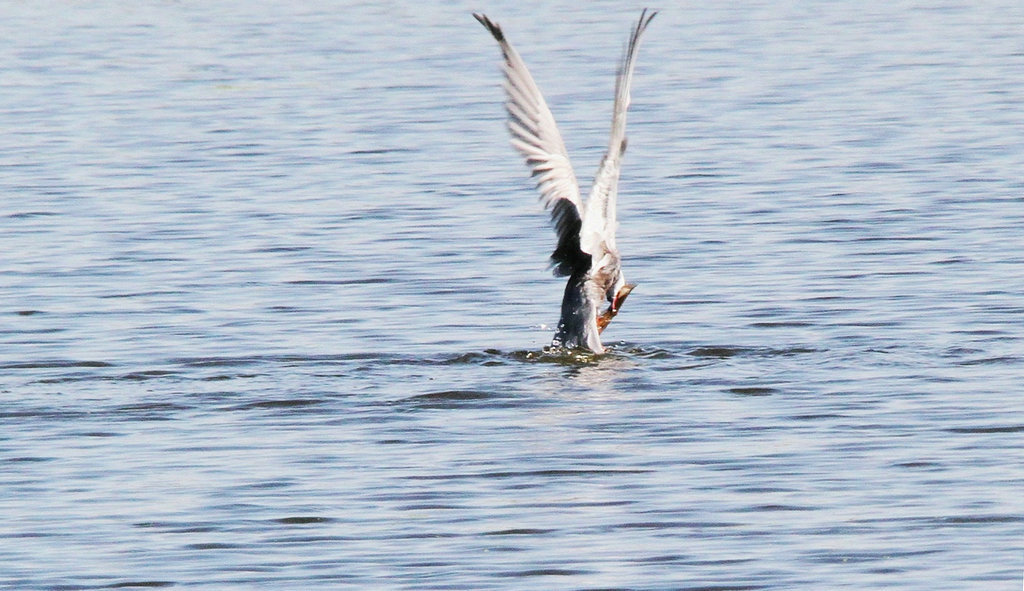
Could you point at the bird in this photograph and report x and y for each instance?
(585, 251)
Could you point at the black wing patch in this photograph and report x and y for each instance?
(568, 259)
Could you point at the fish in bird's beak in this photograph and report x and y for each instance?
(607, 315)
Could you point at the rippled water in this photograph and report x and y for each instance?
(273, 300)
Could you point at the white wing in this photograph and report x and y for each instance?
(599, 222)
(536, 136)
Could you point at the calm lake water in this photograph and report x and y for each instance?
(274, 298)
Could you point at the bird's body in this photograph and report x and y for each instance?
(586, 252)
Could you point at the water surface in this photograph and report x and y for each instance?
(273, 301)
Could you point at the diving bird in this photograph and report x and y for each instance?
(585, 250)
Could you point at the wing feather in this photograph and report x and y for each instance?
(535, 135)
(600, 221)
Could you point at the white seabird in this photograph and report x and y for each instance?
(586, 251)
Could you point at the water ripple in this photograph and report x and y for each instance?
(288, 327)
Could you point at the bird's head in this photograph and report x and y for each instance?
(616, 303)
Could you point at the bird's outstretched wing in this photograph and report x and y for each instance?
(597, 234)
(536, 136)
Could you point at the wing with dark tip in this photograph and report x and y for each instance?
(600, 219)
(535, 135)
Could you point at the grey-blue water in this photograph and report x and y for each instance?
(274, 298)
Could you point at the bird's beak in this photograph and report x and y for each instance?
(607, 315)
(621, 296)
